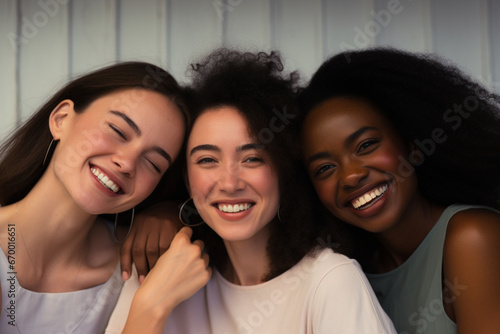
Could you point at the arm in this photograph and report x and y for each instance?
(471, 267)
(150, 236)
(178, 274)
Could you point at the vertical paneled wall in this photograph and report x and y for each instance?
(44, 43)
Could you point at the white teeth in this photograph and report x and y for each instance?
(105, 180)
(368, 197)
(234, 208)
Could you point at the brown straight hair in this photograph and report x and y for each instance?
(23, 153)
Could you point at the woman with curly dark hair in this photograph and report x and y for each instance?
(405, 148)
(273, 271)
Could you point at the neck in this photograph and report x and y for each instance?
(401, 241)
(53, 229)
(248, 260)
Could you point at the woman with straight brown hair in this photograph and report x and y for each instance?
(100, 145)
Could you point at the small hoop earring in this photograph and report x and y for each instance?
(130, 227)
(187, 215)
(47, 153)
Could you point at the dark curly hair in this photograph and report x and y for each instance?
(422, 95)
(254, 83)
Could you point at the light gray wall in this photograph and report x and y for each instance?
(44, 43)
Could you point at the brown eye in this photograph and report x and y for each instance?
(254, 160)
(367, 144)
(323, 169)
(204, 161)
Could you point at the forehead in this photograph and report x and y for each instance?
(334, 120)
(344, 109)
(220, 124)
(132, 99)
(342, 113)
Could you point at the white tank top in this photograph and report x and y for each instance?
(84, 311)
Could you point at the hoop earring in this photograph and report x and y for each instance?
(47, 153)
(129, 228)
(278, 213)
(182, 214)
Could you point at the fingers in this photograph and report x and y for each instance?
(150, 237)
(126, 257)
(152, 251)
(200, 244)
(165, 239)
(140, 259)
(187, 231)
(206, 259)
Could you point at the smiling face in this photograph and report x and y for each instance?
(111, 156)
(231, 179)
(353, 156)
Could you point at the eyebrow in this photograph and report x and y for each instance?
(163, 153)
(214, 148)
(317, 156)
(351, 139)
(248, 147)
(205, 147)
(356, 134)
(130, 122)
(136, 129)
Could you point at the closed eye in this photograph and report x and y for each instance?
(155, 166)
(118, 131)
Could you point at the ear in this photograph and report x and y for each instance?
(59, 117)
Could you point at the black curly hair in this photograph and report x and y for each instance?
(424, 95)
(255, 84)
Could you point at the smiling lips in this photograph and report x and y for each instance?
(367, 199)
(104, 180)
(234, 208)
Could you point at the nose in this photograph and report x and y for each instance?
(230, 178)
(126, 161)
(351, 174)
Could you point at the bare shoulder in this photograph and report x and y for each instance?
(7, 228)
(472, 235)
(475, 228)
(471, 268)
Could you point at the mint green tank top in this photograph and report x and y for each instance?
(412, 294)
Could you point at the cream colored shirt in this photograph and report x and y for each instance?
(327, 293)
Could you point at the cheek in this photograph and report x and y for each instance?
(200, 183)
(267, 183)
(326, 193)
(146, 183)
(389, 160)
(84, 142)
